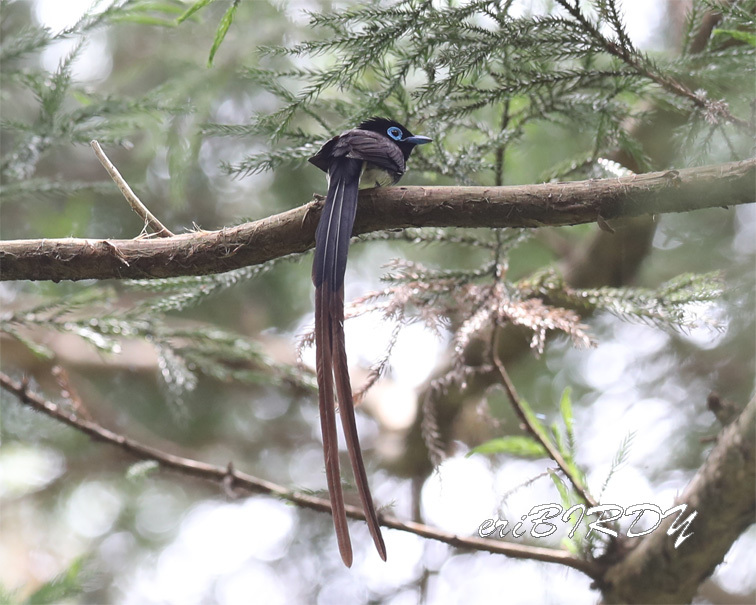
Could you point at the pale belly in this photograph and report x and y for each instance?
(373, 176)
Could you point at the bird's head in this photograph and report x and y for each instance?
(396, 132)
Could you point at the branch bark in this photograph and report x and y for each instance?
(205, 252)
(722, 492)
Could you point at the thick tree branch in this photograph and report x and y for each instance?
(232, 479)
(201, 253)
(722, 492)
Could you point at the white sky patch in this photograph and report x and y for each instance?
(736, 573)
(59, 15)
(459, 496)
(295, 10)
(642, 20)
(26, 469)
(223, 546)
(612, 417)
(415, 355)
(93, 508)
(603, 366)
(406, 552)
(94, 61)
(745, 238)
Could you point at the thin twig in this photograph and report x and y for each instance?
(231, 479)
(68, 392)
(514, 399)
(501, 149)
(135, 203)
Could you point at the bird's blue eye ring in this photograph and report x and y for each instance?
(395, 133)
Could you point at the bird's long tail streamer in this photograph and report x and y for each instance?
(329, 265)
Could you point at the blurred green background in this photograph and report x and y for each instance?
(79, 511)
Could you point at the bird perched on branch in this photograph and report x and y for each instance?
(372, 155)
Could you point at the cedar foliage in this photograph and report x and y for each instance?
(479, 78)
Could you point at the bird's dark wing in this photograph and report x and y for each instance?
(371, 147)
(324, 155)
(362, 145)
(331, 248)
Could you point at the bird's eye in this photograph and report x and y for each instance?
(395, 133)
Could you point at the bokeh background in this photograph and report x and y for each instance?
(112, 532)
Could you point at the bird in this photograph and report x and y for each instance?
(372, 155)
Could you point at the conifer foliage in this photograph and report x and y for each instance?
(511, 93)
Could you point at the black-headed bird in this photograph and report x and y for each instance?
(372, 155)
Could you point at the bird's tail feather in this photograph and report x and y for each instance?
(324, 366)
(336, 223)
(331, 249)
(346, 411)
